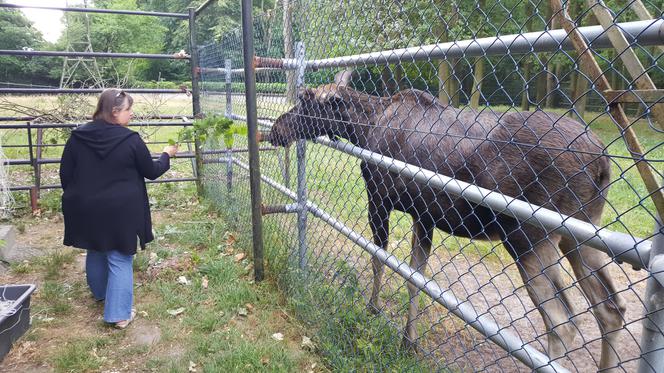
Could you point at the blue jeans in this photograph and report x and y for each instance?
(110, 277)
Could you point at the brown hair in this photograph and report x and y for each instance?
(110, 100)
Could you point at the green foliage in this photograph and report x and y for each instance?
(212, 127)
(19, 33)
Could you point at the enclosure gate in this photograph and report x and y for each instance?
(26, 123)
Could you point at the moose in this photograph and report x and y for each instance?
(539, 157)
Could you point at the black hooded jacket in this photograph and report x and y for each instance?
(105, 202)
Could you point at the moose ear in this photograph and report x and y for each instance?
(343, 78)
(328, 93)
(305, 93)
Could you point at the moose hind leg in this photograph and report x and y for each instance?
(421, 248)
(379, 222)
(597, 285)
(540, 270)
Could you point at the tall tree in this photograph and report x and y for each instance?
(478, 66)
(19, 33)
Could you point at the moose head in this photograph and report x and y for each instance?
(324, 110)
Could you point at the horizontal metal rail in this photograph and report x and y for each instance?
(18, 162)
(75, 125)
(164, 116)
(60, 145)
(463, 309)
(619, 246)
(48, 91)
(97, 10)
(644, 33)
(221, 70)
(56, 186)
(175, 56)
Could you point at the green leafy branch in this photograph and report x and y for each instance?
(202, 129)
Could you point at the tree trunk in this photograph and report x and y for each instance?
(478, 72)
(527, 65)
(478, 75)
(525, 103)
(580, 95)
(388, 81)
(447, 92)
(399, 74)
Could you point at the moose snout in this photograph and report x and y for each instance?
(281, 134)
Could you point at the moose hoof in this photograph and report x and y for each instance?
(373, 309)
(409, 345)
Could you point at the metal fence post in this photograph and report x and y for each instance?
(195, 95)
(34, 191)
(301, 148)
(252, 129)
(229, 114)
(652, 339)
(229, 88)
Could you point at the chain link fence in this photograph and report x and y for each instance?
(469, 168)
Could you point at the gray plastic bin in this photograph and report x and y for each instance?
(15, 315)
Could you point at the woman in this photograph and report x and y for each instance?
(105, 201)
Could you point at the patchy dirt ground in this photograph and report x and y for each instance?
(69, 331)
(494, 288)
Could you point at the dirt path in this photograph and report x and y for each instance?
(494, 287)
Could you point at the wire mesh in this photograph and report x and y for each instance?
(530, 125)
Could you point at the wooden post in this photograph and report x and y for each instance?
(592, 69)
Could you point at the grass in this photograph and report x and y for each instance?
(192, 240)
(81, 355)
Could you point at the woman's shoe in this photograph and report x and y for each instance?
(125, 323)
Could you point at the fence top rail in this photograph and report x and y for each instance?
(645, 33)
(222, 70)
(175, 56)
(41, 91)
(89, 117)
(619, 246)
(75, 125)
(97, 10)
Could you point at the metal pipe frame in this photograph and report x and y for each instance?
(197, 163)
(97, 10)
(25, 119)
(44, 91)
(8, 52)
(463, 309)
(54, 186)
(221, 70)
(229, 87)
(619, 246)
(252, 126)
(644, 33)
(652, 338)
(75, 125)
(301, 152)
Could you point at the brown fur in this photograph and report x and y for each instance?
(539, 157)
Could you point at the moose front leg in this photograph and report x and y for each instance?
(421, 248)
(379, 220)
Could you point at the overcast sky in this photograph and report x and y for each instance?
(46, 21)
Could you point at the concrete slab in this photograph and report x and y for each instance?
(7, 242)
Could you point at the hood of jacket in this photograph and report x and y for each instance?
(102, 137)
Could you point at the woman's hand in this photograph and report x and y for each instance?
(171, 150)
